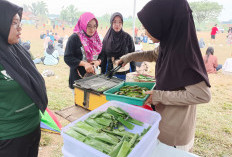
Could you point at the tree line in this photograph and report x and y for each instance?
(203, 12)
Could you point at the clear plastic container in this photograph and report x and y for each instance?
(75, 148)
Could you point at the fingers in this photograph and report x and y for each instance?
(149, 100)
(96, 63)
(117, 62)
(89, 68)
(149, 92)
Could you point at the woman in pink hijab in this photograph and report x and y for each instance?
(83, 48)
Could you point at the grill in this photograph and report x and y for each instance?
(97, 83)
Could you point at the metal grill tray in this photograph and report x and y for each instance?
(97, 81)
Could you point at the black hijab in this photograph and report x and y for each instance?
(115, 44)
(50, 48)
(180, 62)
(16, 60)
(209, 51)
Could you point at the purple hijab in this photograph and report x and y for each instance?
(93, 44)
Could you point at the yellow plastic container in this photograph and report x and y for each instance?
(87, 99)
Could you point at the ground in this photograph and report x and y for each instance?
(214, 120)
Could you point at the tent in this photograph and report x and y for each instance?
(49, 122)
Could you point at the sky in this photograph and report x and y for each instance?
(100, 7)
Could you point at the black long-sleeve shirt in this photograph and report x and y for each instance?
(103, 56)
(72, 57)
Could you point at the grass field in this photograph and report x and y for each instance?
(214, 120)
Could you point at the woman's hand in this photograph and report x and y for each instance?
(89, 68)
(96, 63)
(149, 99)
(120, 61)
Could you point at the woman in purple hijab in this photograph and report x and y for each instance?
(181, 77)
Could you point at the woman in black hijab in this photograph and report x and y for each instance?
(116, 43)
(181, 78)
(22, 89)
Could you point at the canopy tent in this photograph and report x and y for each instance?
(49, 122)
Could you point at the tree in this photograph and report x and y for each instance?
(205, 10)
(104, 20)
(39, 8)
(70, 14)
(26, 8)
(40, 11)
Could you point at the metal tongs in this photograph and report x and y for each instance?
(111, 73)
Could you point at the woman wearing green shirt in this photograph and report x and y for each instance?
(22, 89)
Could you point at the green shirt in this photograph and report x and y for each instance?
(18, 113)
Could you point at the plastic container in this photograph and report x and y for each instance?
(130, 100)
(139, 80)
(74, 148)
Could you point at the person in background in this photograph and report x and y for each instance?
(141, 37)
(22, 89)
(136, 31)
(181, 77)
(83, 48)
(47, 32)
(201, 43)
(213, 33)
(57, 37)
(145, 38)
(227, 66)
(229, 36)
(138, 46)
(52, 38)
(211, 63)
(116, 43)
(63, 27)
(46, 40)
(51, 56)
(65, 40)
(27, 46)
(42, 35)
(59, 47)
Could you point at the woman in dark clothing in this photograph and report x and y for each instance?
(116, 43)
(22, 89)
(181, 78)
(83, 48)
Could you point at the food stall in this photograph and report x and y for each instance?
(86, 137)
(88, 92)
(117, 125)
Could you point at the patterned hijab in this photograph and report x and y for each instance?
(93, 44)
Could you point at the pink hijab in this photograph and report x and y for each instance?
(93, 44)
